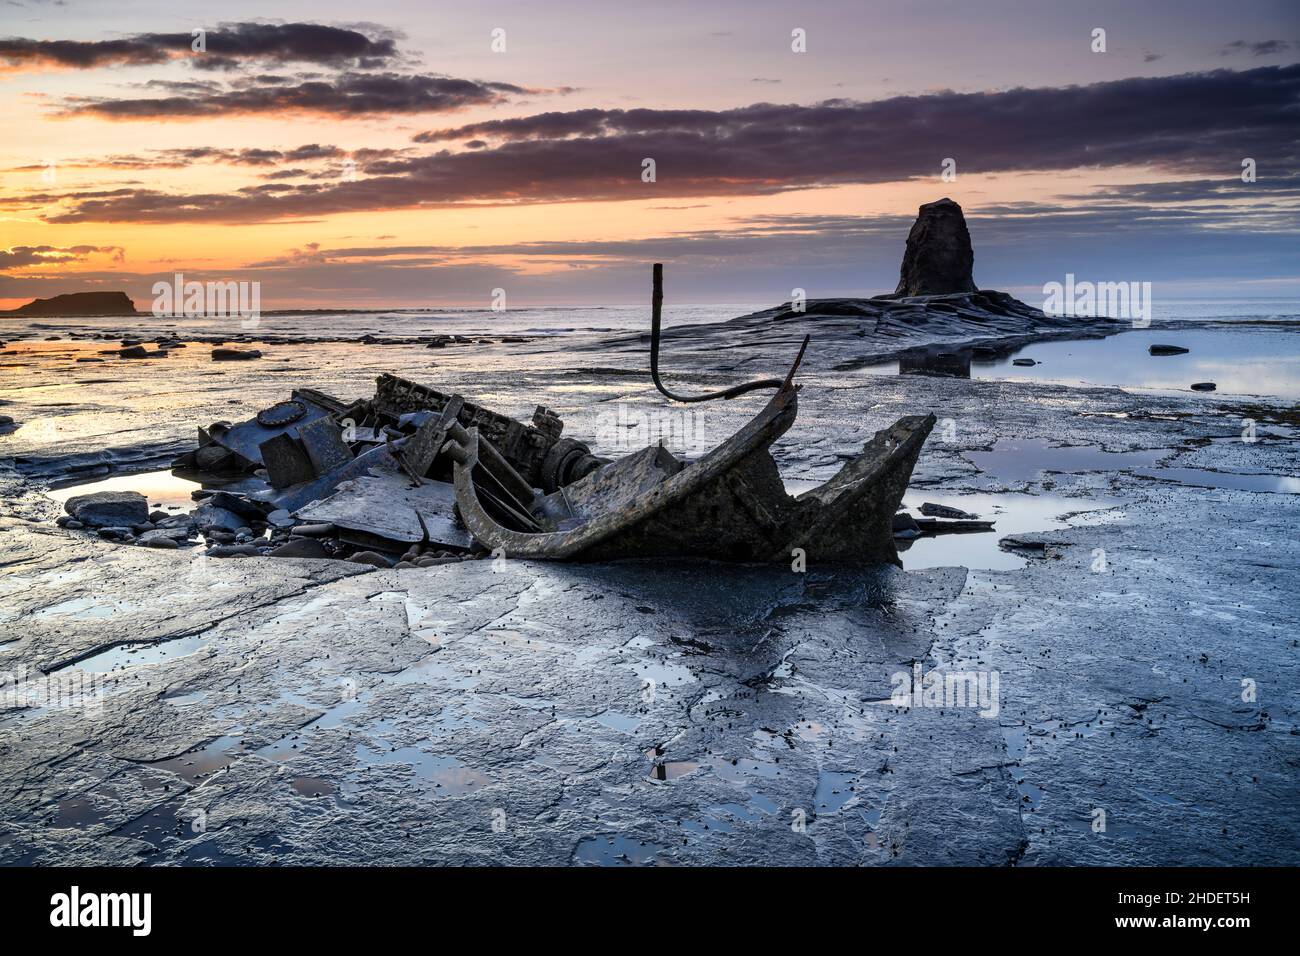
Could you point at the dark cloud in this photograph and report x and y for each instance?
(228, 45)
(20, 256)
(1258, 47)
(1165, 120)
(17, 53)
(183, 86)
(294, 42)
(1272, 189)
(180, 157)
(294, 172)
(317, 151)
(352, 94)
(1193, 124)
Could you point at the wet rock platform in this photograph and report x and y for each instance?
(512, 712)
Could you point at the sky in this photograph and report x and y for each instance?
(435, 152)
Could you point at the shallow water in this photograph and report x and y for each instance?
(1240, 361)
(1251, 361)
(1012, 513)
(163, 489)
(1026, 459)
(135, 655)
(1204, 478)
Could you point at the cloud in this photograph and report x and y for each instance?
(181, 157)
(1258, 47)
(296, 42)
(18, 54)
(759, 259)
(1192, 124)
(22, 256)
(352, 94)
(227, 45)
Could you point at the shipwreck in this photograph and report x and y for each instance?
(413, 476)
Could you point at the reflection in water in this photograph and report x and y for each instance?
(952, 364)
(1204, 478)
(672, 769)
(1025, 459)
(162, 488)
(1249, 361)
(1246, 361)
(1012, 513)
(616, 851)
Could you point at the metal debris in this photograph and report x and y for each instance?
(413, 475)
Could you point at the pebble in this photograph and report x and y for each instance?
(232, 551)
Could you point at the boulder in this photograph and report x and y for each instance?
(938, 259)
(930, 509)
(235, 355)
(109, 508)
(905, 526)
(236, 504)
(210, 516)
(176, 536)
(301, 548)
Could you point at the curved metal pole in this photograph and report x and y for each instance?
(656, 318)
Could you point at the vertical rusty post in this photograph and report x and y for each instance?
(656, 317)
(657, 297)
(656, 320)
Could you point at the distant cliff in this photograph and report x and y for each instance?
(78, 303)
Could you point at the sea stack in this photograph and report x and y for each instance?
(939, 259)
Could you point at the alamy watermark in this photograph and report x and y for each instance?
(948, 690)
(73, 689)
(632, 427)
(181, 298)
(1117, 300)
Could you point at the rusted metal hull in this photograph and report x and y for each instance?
(729, 505)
